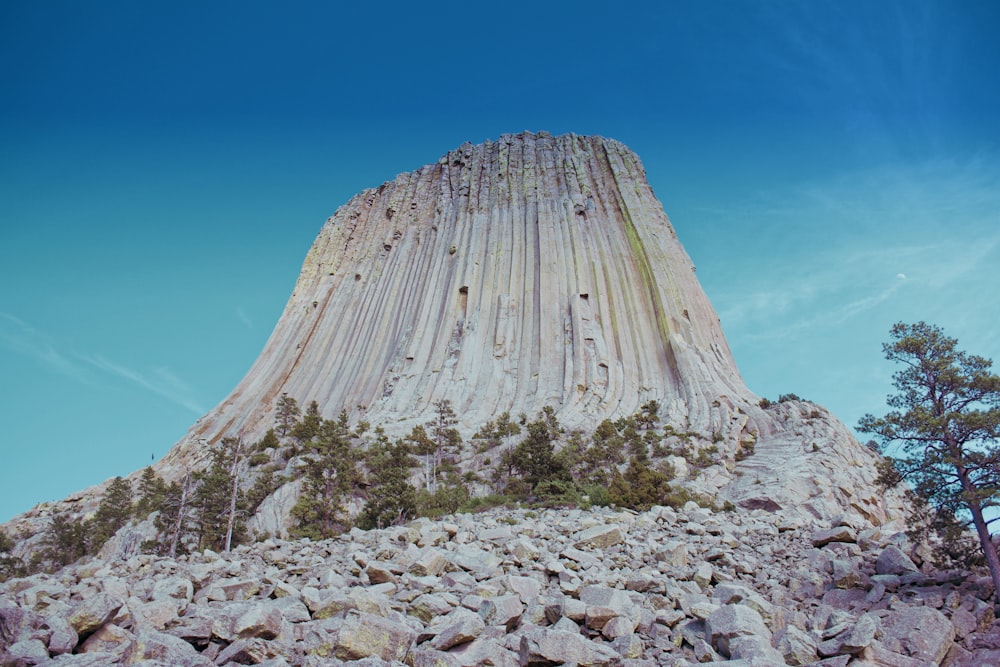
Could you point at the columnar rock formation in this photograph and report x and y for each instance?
(530, 271)
(520, 273)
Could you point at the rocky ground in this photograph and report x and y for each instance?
(520, 587)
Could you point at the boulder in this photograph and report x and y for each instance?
(919, 632)
(893, 560)
(94, 612)
(540, 646)
(730, 622)
(366, 635)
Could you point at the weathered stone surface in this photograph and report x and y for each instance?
(920, 632)
(598, 537)
(94, 612)
(163, 648)
(63, 638)
(732, 621)
(502, 610)
(861, 635)
(838, 534)
(365, 635)
(892, 560)
(25, 652)
(258, 621)
(458, 627)
(107, 639)
(541, 646)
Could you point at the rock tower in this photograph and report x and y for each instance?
(531, 271)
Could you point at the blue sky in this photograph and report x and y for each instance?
(831, 168)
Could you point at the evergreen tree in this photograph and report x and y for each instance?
(269, 441)
(218, 499)
(447, 440)
(945, 422)
(534, 457)
(424, 446)
(640, 487)
(177, 522)
(152, 491)
(64, 540)
(330, 476)
(286, 414)
(391, 497)
(308, 428)
(114, 512)
(10, 565)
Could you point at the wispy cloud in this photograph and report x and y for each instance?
(24, 340)
(21, 339)
(160, 381)
(243, 317)
(917, 236)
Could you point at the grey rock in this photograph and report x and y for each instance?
(919, 632)
(504, 610)
(25, 652)
(796, 646)
(94, 612)
(542, 646)
(598, 537)
(261, 621)
(861, 635)
(838, 534)
(892, 560)
(458, 627)
(163, 648)
(732, 621)
(363, 635)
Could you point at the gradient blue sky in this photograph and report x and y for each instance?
(831, 168)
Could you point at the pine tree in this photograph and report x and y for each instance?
(10, 565)
(534, 457)
(114, 512)
(152, 490)
(330, 476)
(176, 521)
(447, 439)
(391, 497)
(424, 446)
(218, 499)
(286, 414)
(945, 421)
(65, 540)
(308, 428)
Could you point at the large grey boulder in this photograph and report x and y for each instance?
(893, 560)
(165, 649)
(366, 635)
(94, 612)
(730, 622)
(919, 632)
(541, 646)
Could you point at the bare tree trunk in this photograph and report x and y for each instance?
(983, 532)
(181, 509)
(234, 491)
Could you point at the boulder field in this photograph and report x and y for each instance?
(666, 587)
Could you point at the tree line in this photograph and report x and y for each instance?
(524, 460)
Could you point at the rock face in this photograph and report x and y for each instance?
(528, 271)
(772, 596)
(521, 273)
(508, 276)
